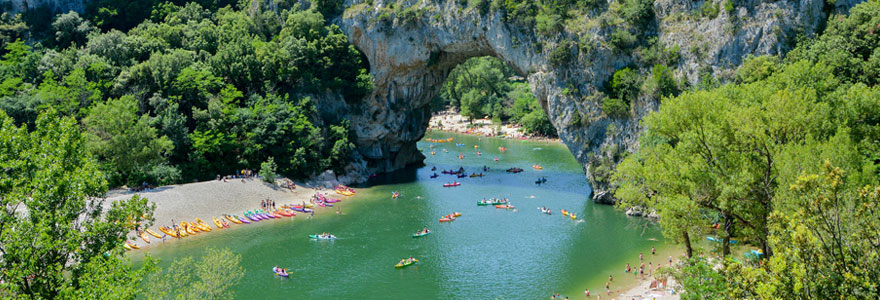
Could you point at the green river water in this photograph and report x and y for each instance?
(487, 253)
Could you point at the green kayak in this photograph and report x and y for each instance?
(418, 235)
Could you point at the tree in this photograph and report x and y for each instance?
(537, 122)
(127, 143)
(12, 28)
(209, 278)
(70, 29)
(827, 248)
(57, 236)
(267, 170)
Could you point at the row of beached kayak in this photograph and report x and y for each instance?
(184, 229)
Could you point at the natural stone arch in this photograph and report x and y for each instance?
(410, 56)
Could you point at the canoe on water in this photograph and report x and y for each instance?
(406, 263)
(421, 234)
(505, 206)
(322, 237)
(280, 272)
(153, 233)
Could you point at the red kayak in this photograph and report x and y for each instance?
(451, 184)
(445, 220)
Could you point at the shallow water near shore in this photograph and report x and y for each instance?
(487, 253)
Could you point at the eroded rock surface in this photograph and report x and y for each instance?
(411, 56)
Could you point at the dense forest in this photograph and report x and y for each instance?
(487, 87)
(190, 92)
(784, 158)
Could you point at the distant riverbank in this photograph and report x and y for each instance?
(451, 121)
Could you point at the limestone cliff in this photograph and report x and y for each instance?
(58, 6)
(412, 48)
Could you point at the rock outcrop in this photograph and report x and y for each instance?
(412, 48)
(57, 6)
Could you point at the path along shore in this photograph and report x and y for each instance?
(204, 200)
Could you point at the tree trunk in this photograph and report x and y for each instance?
(725, 244)
(687, 243)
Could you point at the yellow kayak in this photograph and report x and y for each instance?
(144, 237)
(217, 222)
(169, 231)
(132, 245)
(186, 228)
(153, 233)
(202, 225)
(231, 219)
(573, 216)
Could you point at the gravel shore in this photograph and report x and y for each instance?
(204, 200)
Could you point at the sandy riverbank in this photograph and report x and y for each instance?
(451, 121)
(204, 200)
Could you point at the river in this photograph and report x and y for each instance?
(487, 253)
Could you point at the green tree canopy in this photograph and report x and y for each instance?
(58, 237)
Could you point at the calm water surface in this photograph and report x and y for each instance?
(487, 253)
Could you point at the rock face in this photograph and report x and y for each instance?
(57, 6)
(411, 56)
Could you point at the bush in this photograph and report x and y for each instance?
(625, 84)
(637, 12)
(709, 9)
(615, 108)
(562, 54)
(662, 82)
(548, 24)
(728, 6)
(622, 40)
(267, 170)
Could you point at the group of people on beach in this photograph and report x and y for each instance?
(643, 270)
(267, 204)
(242, 174)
